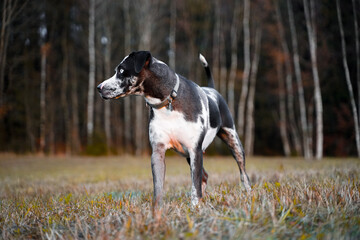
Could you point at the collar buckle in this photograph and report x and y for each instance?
(173, 94)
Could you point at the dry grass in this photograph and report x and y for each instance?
(90, 198)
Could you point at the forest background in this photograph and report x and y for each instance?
(289, 70)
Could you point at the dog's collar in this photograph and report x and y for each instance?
(168, 100)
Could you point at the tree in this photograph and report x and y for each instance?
(312, 38)
(127, 101)
(107, 42)
(234, 57)
(64, 85)
(282, 109)
(250, 127)
(357, 46)
(347, 78)
(303, 118)
(91, 86)
(10, 10)
(216, 44)
(45, 47)
(289, 86)
(245, 80)
(172, 35)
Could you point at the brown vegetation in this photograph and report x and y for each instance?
(92, 198)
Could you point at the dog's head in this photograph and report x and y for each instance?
(126, 79)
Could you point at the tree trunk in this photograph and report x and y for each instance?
(302, 106)
(44, 50)
(27, 103)
(127, 100)
(107, 60)
(91, 88)
(75, 133)
(216, 45)
(250, 128)
(282, 110)
(172, 35)
(234, 58)
(357, 44)
(289, 86)
(348, 80)
(310, 25)
(10, 10)
(223, 70)
(245, 81)
(311, 125)
(145, 43)
(4, 39)
(64, 99)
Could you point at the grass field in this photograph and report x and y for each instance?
(110, 198)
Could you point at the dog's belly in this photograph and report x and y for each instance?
(171, 129)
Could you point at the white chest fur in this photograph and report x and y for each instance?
(174, 131)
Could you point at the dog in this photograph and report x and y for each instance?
(183, 116)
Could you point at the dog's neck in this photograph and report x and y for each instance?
(157, 84)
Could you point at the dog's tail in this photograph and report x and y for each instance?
(207, 70)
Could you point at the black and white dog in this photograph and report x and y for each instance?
(183, 116)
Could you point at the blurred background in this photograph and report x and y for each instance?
(289, 70)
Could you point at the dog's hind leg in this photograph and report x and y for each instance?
(196, 168)
(230, 137)
(204, 178)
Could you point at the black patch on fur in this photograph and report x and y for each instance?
(133, 64)
(188, 100)
(215, 120)
(151, 114)
(226, 118)
(222, 110)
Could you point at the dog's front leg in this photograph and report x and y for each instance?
(158, 170)
(196, 168)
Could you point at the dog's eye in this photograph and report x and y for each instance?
(121, 73)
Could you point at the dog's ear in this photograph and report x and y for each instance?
(142, 59)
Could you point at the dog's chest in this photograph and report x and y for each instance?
(174, 131)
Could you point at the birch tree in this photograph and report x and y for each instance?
(250, 121)
(347, 78)
(222, 58)
(92, 66)
(234, 57)
(282, 109)
(44, 52)
(107, 40)
(311, 29)
(216, 44)
(246, 73)
(127, 100)
(357, 46)
(10, 9)
(145, 27)
(288, 82)
(172, 35)
(303, 118)
(64, 98)
(28, 106)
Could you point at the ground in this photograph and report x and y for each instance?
(110, 197)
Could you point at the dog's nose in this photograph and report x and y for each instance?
(99, 87)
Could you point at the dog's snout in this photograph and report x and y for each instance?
(99, 87)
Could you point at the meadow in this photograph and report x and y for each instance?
(111, 198)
